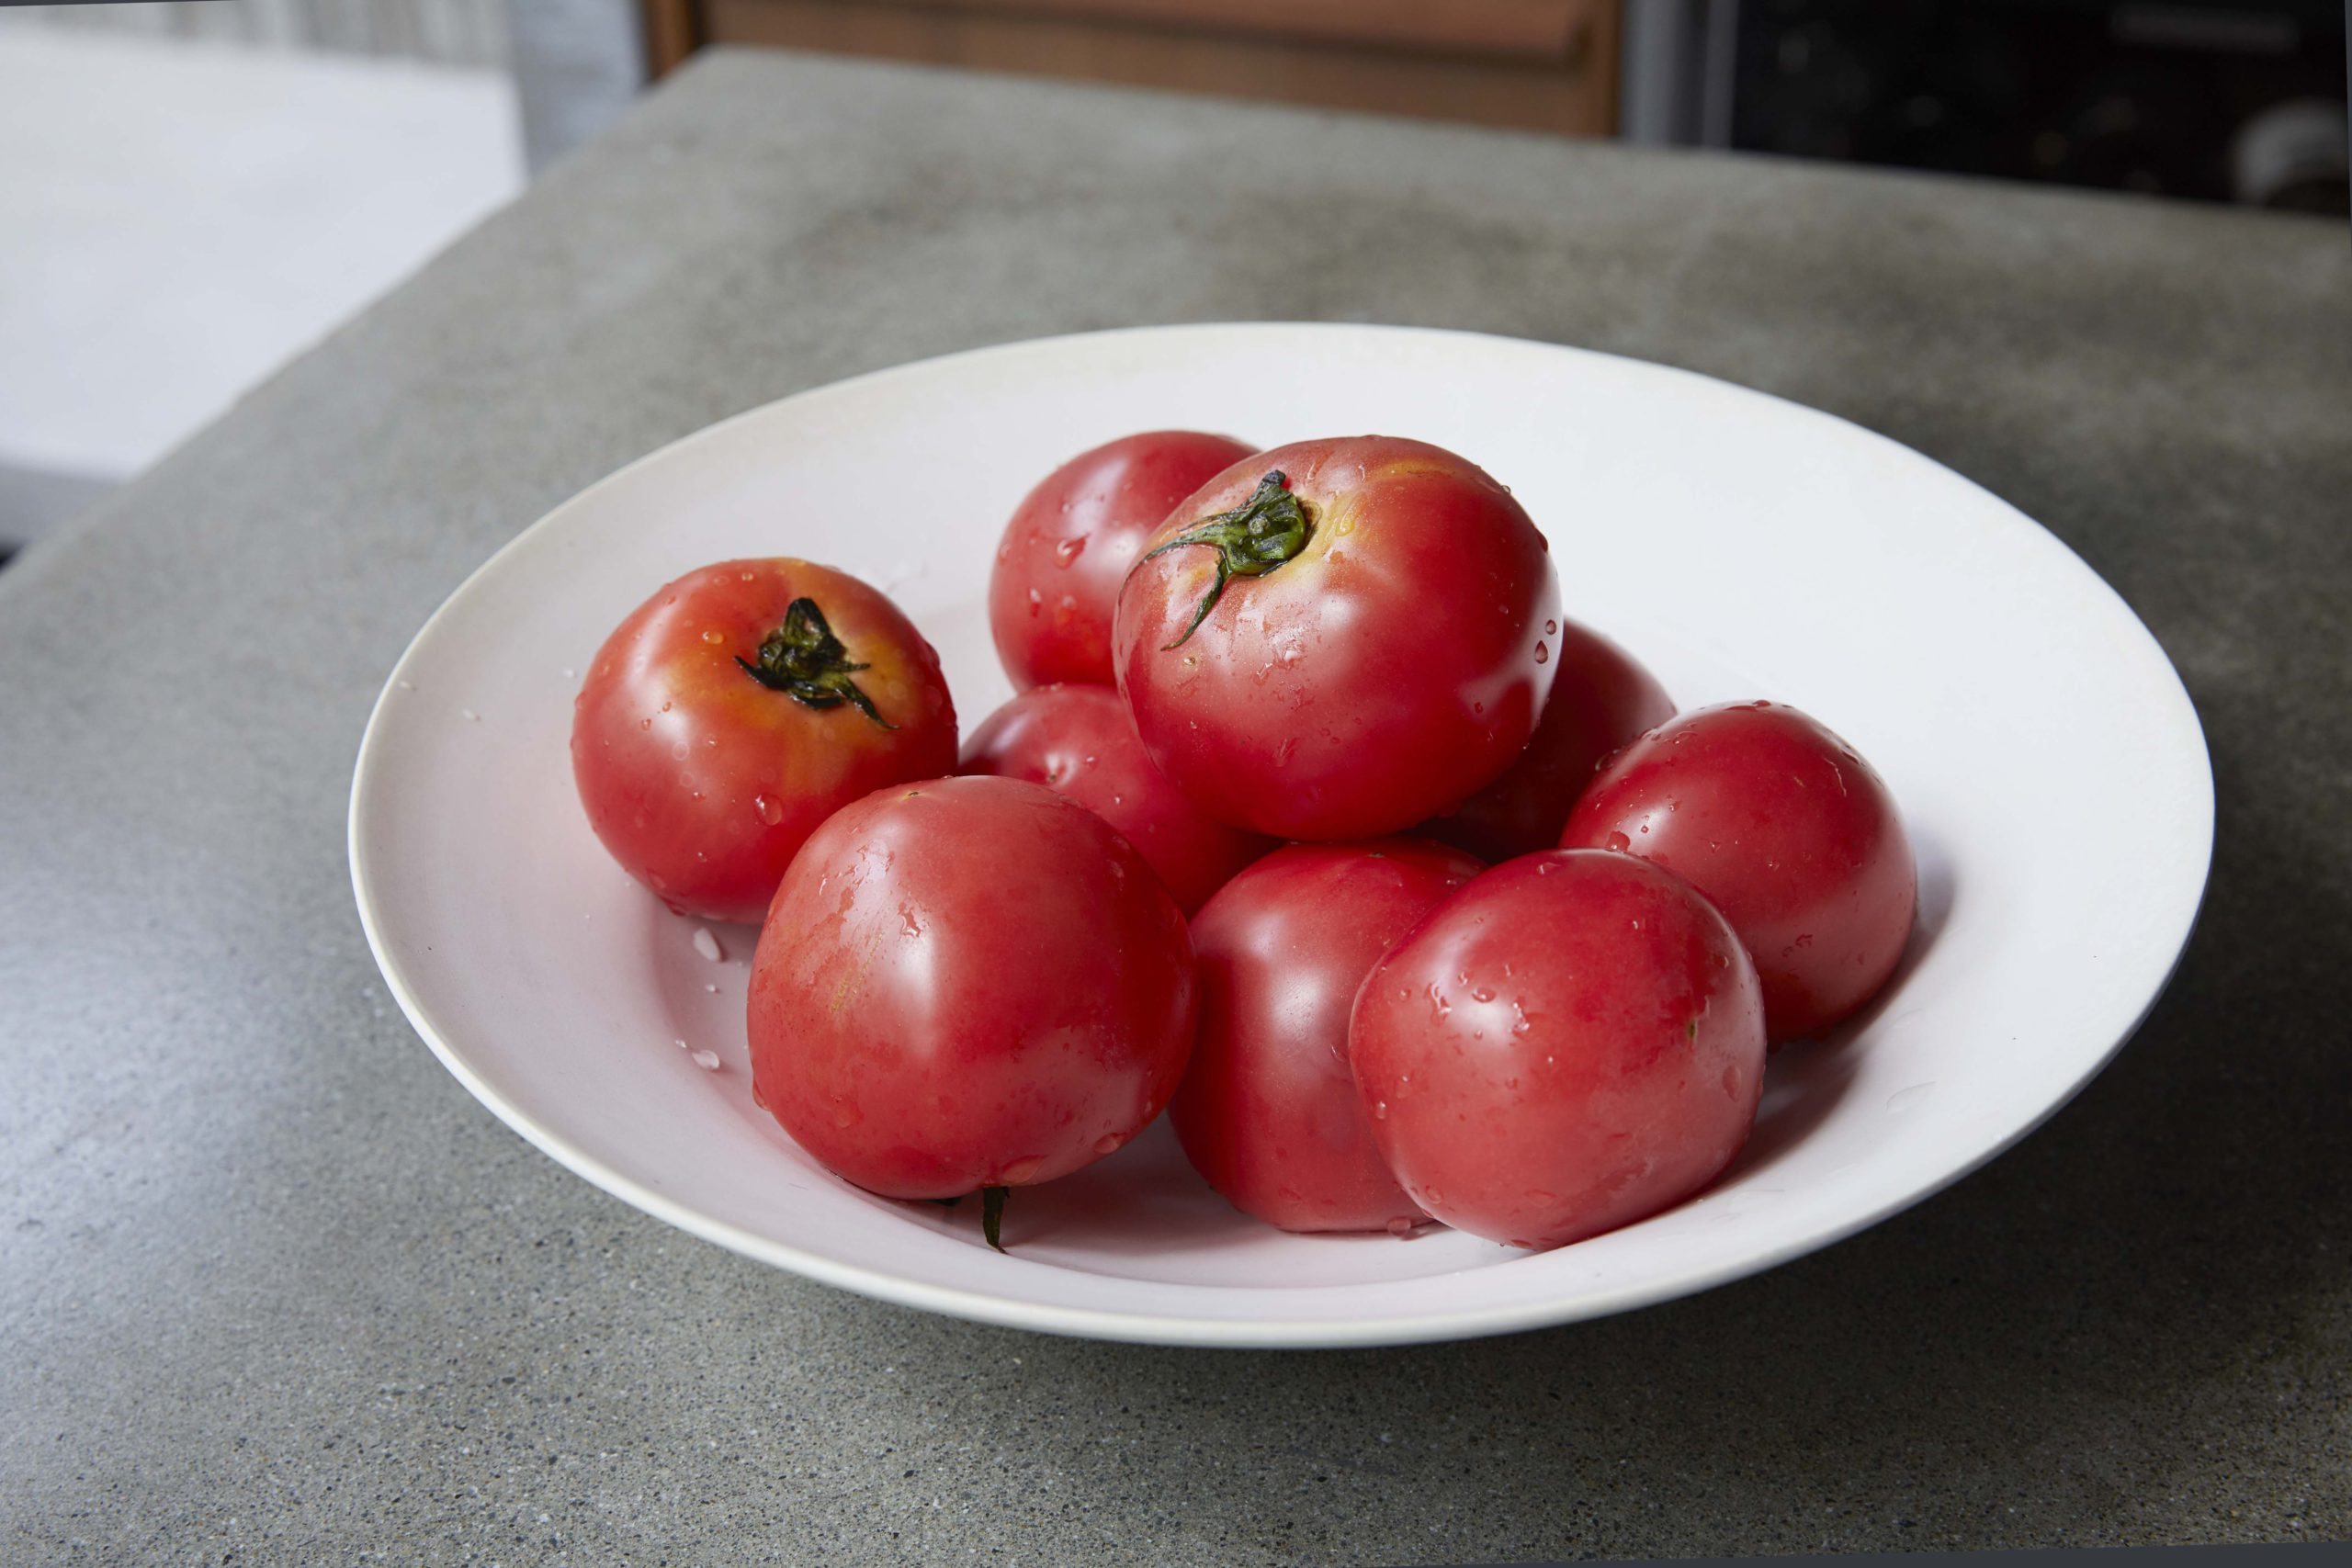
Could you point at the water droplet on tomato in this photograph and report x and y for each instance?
(1380, 1111)
(1550, 628)
(1434, 1196)
(645, 724)
(1107, 1144)
(1543, 654)
(714, 637)
(678, 751)
(1480, 994)
(1036, 603)
(1402, 1225)
(747, 577)
(1618, 841)
(707, 1060)
(771, 812)
(1069, 549)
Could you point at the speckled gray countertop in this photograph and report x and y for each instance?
(273, 1288)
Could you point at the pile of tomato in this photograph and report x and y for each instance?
(1314, 824)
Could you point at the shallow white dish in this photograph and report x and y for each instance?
(2047, 759)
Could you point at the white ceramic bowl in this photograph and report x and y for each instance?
(2046, 758)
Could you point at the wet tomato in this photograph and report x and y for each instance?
(1336, 638)
(1573, 1043)
(1269, 1111)
(1079, 742)
(735, 710)
(1787, 830)
(1600, 699)
(1071, 541)
(967, 984)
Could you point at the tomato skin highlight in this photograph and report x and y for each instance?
(1601, 699)
(702, 782)
(1268, 1113)
(1573, 1043)
(1387, 671)
(968, 983)
(1070, 543)
(1079, 742)
(1787, 830)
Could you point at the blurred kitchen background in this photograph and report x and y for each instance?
(192, 191)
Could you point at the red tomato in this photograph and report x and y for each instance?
(1790, 833)
(735, 710)
(1269, 1110)
(967, 984)
(1573, 1042)
(1079, 742)
(1071, 541)
(1336, 638)
(1600, 699)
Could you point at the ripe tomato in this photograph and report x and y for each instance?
(1269, 1110)
(1336, 638)
(1600, 699)
(1573, 1042)
(965, 984)
(1079, 742)
(1071, 541)
(735, 710)
(1790, 833)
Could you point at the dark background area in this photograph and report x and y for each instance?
(2212, 102)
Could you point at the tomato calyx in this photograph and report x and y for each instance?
(1256, 536)
(992, 1215)
(805, 661)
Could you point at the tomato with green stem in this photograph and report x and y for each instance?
(1336, 638)
(738, 708)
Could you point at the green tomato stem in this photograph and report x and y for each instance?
(992, 1215)
(1256, 536)
(807, 663)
